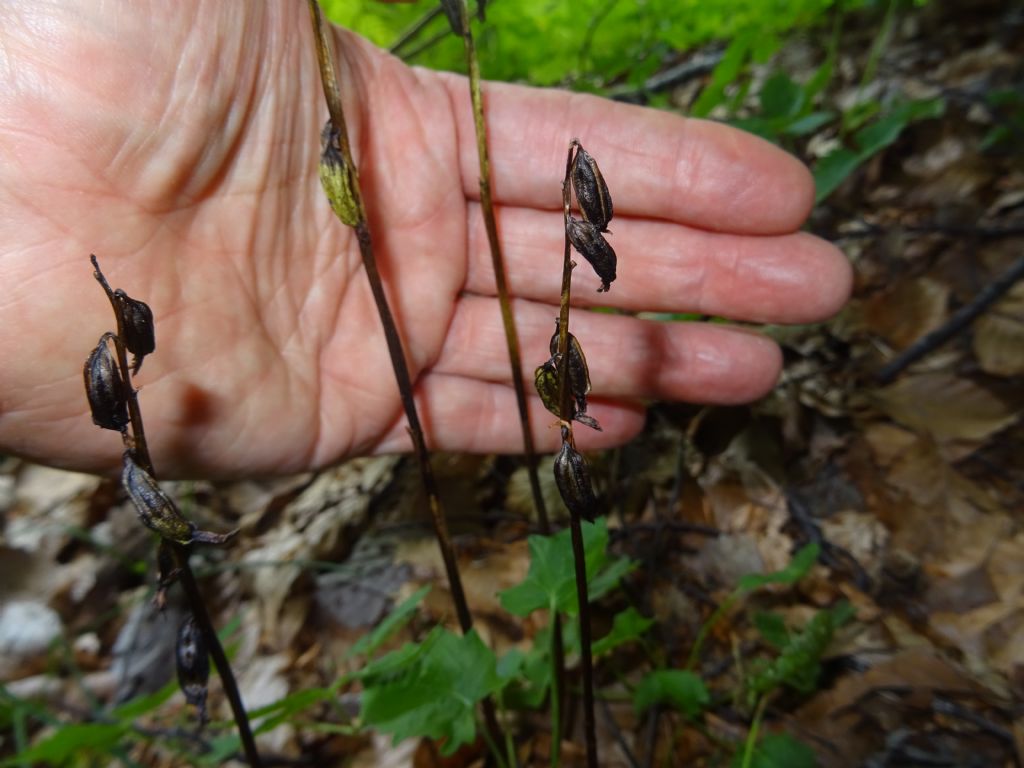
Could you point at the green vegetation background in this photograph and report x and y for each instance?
(584, 44)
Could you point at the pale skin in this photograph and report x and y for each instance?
(179, 142)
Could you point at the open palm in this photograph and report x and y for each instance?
(179, 142)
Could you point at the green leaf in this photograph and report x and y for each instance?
(551, 580)
(772, 628)
(781, 97)
(808, 123)
(74, 740)
(778, 750)
(142, 705)
(394, 621)
(679, 688)
(627, 626)
(832, 170)
(727, 70)
(435, 695)
(791, 574)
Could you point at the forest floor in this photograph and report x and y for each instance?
(910, 482)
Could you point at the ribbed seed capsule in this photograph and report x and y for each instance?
(545, 379)
(158, 512)
(193, 663)
(453, 10)
(579, 374)
(139, 335)
(104, 388)
(336, 177)
(572, 477)
(586, 239)
(591, 192)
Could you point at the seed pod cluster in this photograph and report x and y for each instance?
(336, 177)
(572, 476)
(588, 240)
(105, 388)
(138, 332)
(193, 663)
(158, 512)
(591, 191)
(453, 10)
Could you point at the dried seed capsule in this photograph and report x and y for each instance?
(545, 379)
(573, 479)
(336, 177)
(591, 191)
(158, 512)
(586, 239)
(154, 507)
(193, 662)
(138, 332)
(579, 374)
(453, 10)
(105, 389)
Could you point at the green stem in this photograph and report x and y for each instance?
(725, 606)
(755, 726)
(137, 444)
(498, 263)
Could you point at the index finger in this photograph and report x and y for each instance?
(657, 164)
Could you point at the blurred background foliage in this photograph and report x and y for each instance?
(588, 44)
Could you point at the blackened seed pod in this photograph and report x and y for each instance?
(336, 177)
(104, 387)
(573, 480)
(586, 239)
(453, 10)
(154, 507)
(139, 334)
(591, 190)
(193, 663)
(579, 373)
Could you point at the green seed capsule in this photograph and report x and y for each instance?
(591, 191)
(572, 476)
(138, 332)
(104, 387)
(587, 239)
(453, 10)
(336, 177)
(193, 663)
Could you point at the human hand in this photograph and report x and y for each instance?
(180, 143)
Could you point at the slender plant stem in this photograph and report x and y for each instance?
(498, 262)
(414, 30)
(575, 523)
(332, 95)
(751, 742)
(197, 605)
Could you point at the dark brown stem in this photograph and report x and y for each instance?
(498, 263)
(332, 95)
(956, 323)
(575, 522)
(194, 597)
